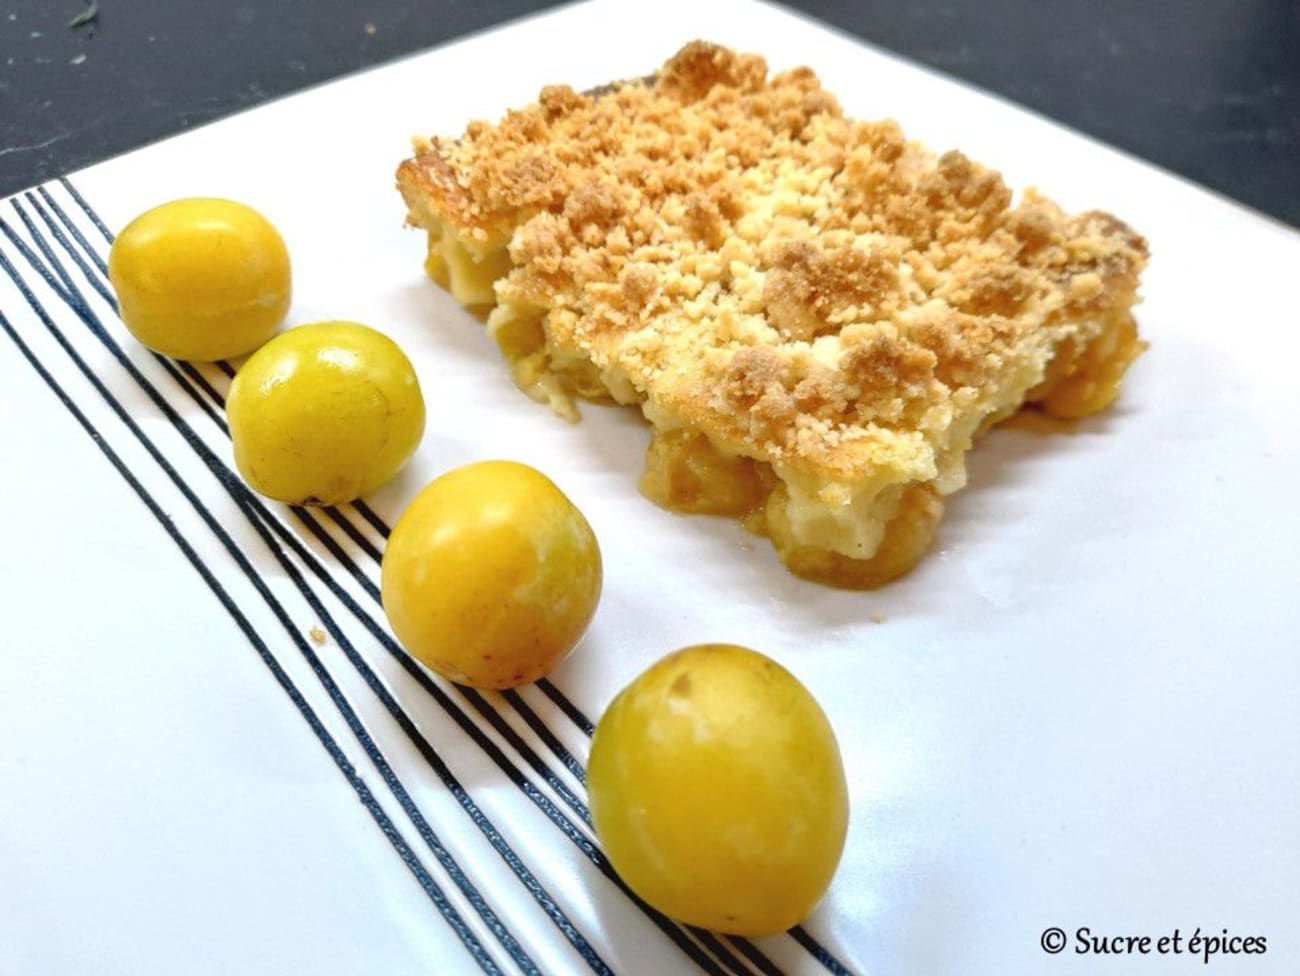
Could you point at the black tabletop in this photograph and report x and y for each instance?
(1207, 88)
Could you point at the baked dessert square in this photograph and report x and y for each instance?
(817, 316)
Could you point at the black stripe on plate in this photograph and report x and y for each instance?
(458, 876)
(562, 702)
(202, 383)
(819, 952)
(543, 732)
(351, 531)
(367, 513)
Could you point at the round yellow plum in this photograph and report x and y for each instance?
(324, 414)
(491, 575)
(718, 792)
(201, 278)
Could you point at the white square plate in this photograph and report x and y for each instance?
(1079, 711)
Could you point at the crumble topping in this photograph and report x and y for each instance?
(806, 290)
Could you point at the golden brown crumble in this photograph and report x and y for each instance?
(804, 290)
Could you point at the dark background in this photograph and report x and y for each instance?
(1207, 88)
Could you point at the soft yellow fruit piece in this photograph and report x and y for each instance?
(718, 792)
(201, 278)
(491, 575)
(324, 414)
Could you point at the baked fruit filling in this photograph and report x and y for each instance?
(816, 316)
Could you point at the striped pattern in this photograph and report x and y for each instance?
(53, 240)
